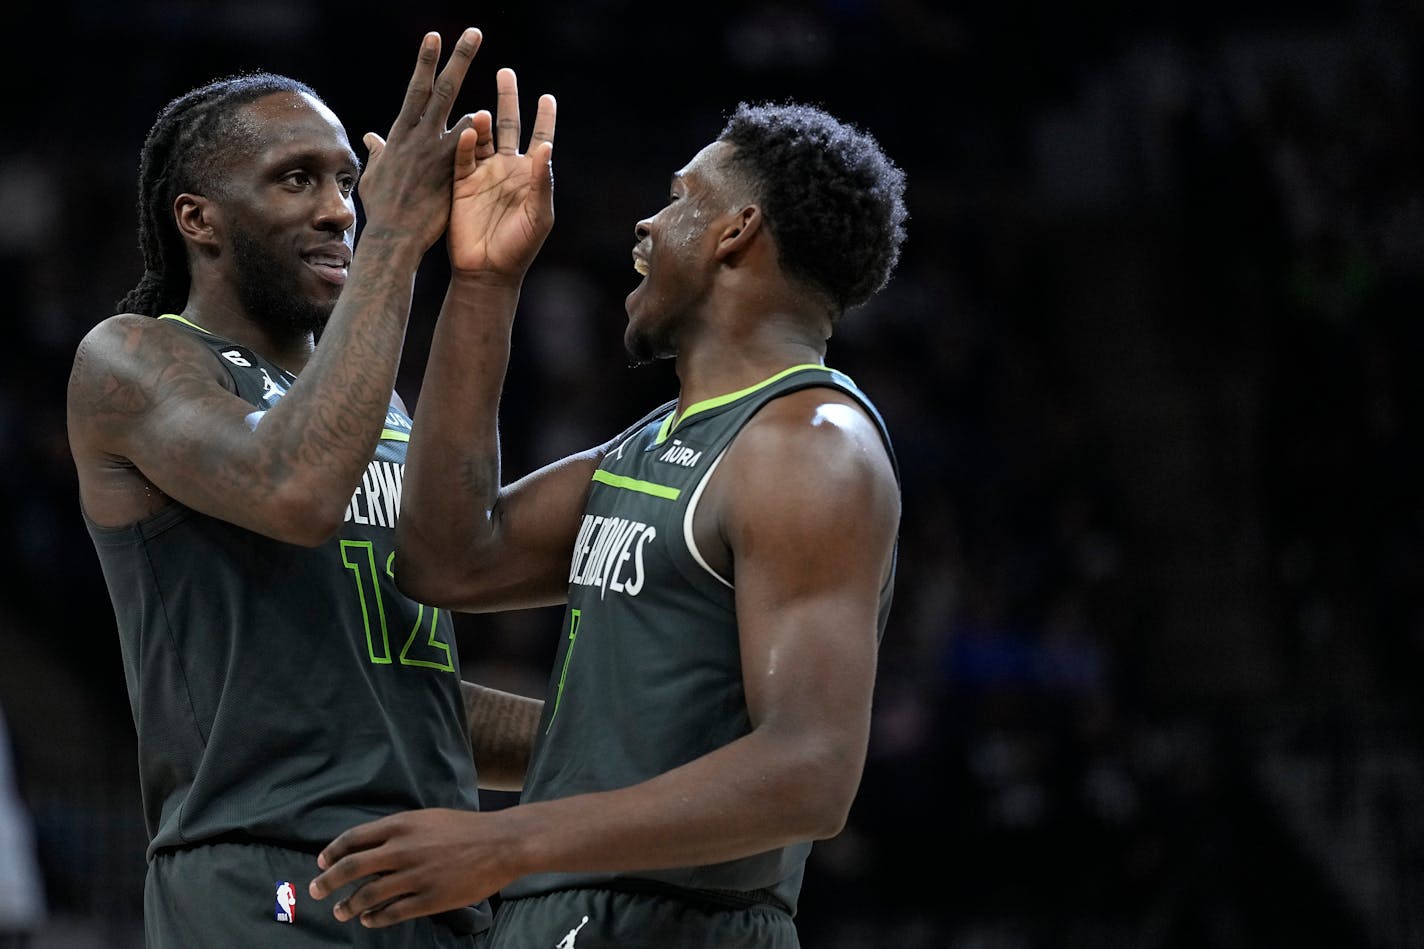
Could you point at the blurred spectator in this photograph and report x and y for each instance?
(22, 901)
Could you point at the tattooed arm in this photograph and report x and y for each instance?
(502, 727)
(150, 413)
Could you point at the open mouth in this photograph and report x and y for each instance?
(330, 267)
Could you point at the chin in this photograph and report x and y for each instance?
(638, 352)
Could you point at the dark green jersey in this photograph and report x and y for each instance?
(282, 693)
(648, 675)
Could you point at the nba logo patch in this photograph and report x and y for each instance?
(286, 903)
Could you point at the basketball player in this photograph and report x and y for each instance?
(242, 484)
(727, 562)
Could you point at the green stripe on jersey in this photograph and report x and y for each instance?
(674, 420)
(633, 484)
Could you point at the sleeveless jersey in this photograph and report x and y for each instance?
(648, 672)
(280, 693)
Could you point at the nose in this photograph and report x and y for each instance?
(642, 229)
(337, 210)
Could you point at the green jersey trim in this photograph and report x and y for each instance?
(185, 321)
(387, 434)
(633, 484)
(674, 420)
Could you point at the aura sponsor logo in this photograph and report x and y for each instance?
(679, 454)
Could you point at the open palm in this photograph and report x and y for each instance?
(503, 201)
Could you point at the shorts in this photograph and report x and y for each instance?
(236, 895)
(605, 919)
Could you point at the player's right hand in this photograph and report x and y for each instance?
(405, 188)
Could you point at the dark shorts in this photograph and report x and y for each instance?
(605, 919)
(232, 896)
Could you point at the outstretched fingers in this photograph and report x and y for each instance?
(541, 144)
(447, 84)
(417, 93)
(544, 121)
(506, 136)
(429, 97)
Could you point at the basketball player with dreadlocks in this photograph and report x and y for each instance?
(241, 481)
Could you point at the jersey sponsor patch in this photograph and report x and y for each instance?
(679, 454)
(286, 902)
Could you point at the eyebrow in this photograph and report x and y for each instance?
(316, 156)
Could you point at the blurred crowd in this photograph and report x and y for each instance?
(1146, 365)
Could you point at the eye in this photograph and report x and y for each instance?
(347, 184)
(298, 179)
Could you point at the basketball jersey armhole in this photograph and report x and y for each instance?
(687, 533)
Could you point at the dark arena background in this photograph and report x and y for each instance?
(1153, 676)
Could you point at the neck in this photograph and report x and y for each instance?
(290, 349)
(706, 371)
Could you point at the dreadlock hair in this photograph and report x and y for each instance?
(832, 198)
(181, 153)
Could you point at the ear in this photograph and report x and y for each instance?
(198, 220)
(739, 231)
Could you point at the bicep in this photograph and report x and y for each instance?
(810, 517)
(154, 400)
(524, 562)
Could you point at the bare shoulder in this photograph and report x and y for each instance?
(818, 431)
(127, 352)
(123, 367)
(807, 489)
(814, 445)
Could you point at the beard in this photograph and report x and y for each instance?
(270, 287)
(648, 338)
(639, 348)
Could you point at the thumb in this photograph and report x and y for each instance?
(374, 144)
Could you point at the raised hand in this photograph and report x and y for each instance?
(502, 204)
(406, 185)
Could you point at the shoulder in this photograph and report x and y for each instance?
(129, 346)
(820, 439)
(821, 422)
(128, 363)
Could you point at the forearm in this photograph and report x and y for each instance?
(323, 432)
(748, 797)
(502, 726)
(452, 475)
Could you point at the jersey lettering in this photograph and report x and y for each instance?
(377, 499)
(608, 554)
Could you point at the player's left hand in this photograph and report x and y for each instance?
(411, 864)
(502, 206)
